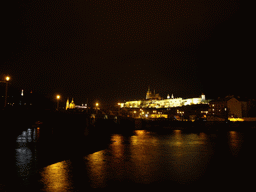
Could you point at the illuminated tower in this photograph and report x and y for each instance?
(203, 97)
(148, 95)
(168, 96)
(67, 104)
(72, 104)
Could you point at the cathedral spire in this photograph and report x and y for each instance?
(72, 104)
(148, 95)
(67, 104)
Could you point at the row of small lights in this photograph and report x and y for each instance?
(58, 98)
(7, 78)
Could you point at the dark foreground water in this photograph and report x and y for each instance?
(143, 160)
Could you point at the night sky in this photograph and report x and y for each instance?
(111, 51)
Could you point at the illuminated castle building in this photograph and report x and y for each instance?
(154, 100)
(73, 106)
(150, 95)
(70, 105)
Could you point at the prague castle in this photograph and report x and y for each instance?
(154, 100)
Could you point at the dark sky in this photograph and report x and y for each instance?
(112, 51)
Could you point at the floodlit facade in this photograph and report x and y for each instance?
(155, 101)
(70, 105)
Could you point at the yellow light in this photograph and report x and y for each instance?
(97, 104)
(134, 112)
(55, 177)
(7, 78)
(58, 96)
(235, 119)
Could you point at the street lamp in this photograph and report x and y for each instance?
(7, 79)
(58, 99)
(134, 113)
(97, 104)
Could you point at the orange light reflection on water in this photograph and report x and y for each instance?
(178, 138)
(234, 142)
(117, 146)
(55, 177)
(144, 151)
(96, 166)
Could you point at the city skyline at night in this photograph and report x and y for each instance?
(112, 51)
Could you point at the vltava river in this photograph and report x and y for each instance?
(143, 160)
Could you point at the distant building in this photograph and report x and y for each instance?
(224, 108)
(154, 100)
(25, 99)
(150, 95)
(72, 105)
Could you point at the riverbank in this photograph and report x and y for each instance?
(197, 126)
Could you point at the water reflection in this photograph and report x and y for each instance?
(177, 141)
(56, 177)
(26, 155)
(147, 157)
(117, 146)
(143, 158)
(235, 142)
(30, 135)
(96, 169)
(23, 160)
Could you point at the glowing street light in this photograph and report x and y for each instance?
(7, 79)
(97, 104)
(58, 99)
(134, 113)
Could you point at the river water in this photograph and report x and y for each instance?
(142, 160)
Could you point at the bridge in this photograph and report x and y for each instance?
(62, 124)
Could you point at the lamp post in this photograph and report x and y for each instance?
(97, 104)
(58, 99)
(7, 79)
